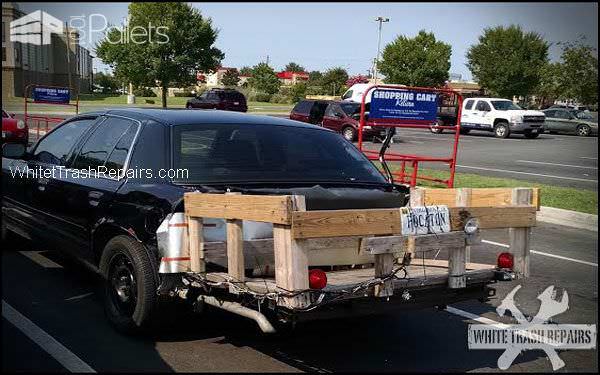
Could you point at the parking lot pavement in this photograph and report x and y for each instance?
(62, 300)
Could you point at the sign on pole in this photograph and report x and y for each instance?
(55, 95)
(404, 105)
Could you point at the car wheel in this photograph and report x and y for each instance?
(501, 130)
(188, 106)
(349, 133)
(464, 131)
(531, 135)
(583, 130)
(130, 284)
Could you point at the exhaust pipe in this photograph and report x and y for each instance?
(238, 309)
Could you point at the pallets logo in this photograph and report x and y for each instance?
(35, 28)
(536, 333)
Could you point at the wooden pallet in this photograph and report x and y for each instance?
(297, 233)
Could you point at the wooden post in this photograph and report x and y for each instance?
(463, 199)
(196, 238)
(235, 247)
(291, 260)
(384, 265)
(519, 237)
(457, 267)
(417, 198)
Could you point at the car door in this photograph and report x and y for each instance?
(47, 161)
(482, 110)
(302, 110)
(565, 121)
(550, 121)
(333, 117)
(467, 118)
(94, 174)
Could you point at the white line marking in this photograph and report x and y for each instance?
(79, 296)
(60, 353)
(40, 259)
(527, 173)
(588, 158)
(545, 254)
(560, 165)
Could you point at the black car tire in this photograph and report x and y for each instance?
(349, 133)
(464, 131)
(502, 130)
(530, 135)
(189, 106)
(583, 130)
(128, 312)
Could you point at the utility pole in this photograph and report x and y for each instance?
(68, 53)
(267, 59)
(381, 20)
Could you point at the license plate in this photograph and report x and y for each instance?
(3, 134)
(236, 103)
(425, 220)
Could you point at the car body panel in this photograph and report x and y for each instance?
(14, 130)
(561, 120)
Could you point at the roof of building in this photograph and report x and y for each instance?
(290, 75)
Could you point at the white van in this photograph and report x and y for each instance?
(356, 92)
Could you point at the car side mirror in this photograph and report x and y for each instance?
(13, 150)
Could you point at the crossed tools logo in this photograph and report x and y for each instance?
(537, 332)
(35, 28)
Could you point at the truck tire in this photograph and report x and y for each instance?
(349, 133)
(502, 130)
(530, 135)
(130, 283)
(464, 131)
(583, 130)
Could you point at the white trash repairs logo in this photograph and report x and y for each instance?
(537, 333)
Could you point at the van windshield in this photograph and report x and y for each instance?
(254, 153)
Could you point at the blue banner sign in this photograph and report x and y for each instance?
(57, 95)
(404, 105)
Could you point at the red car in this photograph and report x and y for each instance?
(341, 117)
(14, 130)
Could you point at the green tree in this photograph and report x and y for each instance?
(298, 91)
(419, 61)
(578, 77)
(264, 79)
(549, 88)
(231, 78)
(334, 80)
(165, 44)
(508, 61)
(245, 71)
(293, 67)
(108, 82)
(314, 77)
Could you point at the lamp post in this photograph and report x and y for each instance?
(381, 20)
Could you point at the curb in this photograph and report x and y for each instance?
(568, 218)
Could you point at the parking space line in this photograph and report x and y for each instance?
(559, 165)
(59, 352)
(544, 254)
(40, 259)
(527, 173)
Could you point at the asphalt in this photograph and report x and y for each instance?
(62, 299)
(559, 160)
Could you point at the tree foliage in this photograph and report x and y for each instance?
(245, 71)
(264, 79)
(293, 67)
(334, 80)
(578, 75)
(230, 78)
(108, 82)
(356, 79)
(179, 43)
(508, 61)
(419, 61)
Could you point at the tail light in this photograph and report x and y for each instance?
(317, 279)
(505, 260)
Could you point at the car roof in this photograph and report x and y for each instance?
(200, 116)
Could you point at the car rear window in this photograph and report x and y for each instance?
(303, 106)
(228, 153)
(233, 96)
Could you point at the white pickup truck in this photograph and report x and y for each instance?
(497, 115)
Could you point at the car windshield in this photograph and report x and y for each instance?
(350, 108)
(230, 153)
(505, 105)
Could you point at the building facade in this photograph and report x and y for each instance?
(63, 62)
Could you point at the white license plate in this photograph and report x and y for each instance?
(425, 220)
(3, 134)
(236, 103)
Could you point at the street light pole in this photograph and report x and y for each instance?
(381, 20)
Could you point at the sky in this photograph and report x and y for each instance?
(319, 36)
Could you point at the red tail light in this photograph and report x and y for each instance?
(317, 279)
(505, 260)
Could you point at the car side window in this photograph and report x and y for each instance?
(100, 145)
(303, 106)
(469, 104)
(332, 110)
(348, 94)
(54, 148)
(213, 96)
(483, 106)
(550, 113)
(118, 156)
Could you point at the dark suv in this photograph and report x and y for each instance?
(224, 99)
(340, 116)
(111, 221)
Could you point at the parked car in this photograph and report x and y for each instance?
(110, 221)
(340, 116)
(14, 130)
(569, 121)
(500, 116)
(224, 99)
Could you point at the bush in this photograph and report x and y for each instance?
(281, 99)
(144, 91)
(257, 96)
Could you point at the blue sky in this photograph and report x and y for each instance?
(324, 35)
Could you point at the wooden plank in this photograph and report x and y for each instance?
(493, 217)
(463, 199)
(519, 237)
(480, 197)
(423, 243)
(442, 263)
(384, 265)
(457, 268)
(196, 244)
(314, 224)
(417, 198)
(266, 208)
(291, 261)
(235, 249)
